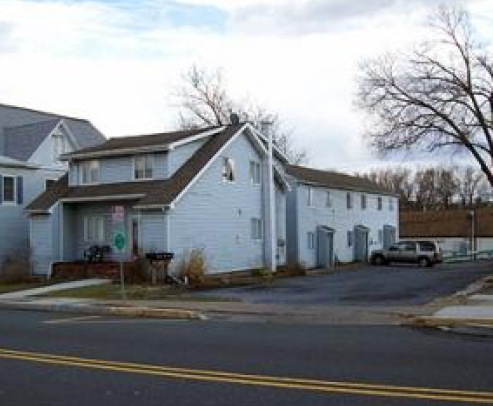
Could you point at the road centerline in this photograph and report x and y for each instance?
(350, 388)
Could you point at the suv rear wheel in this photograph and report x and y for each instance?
(379, 260)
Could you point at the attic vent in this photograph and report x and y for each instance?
(234, 119)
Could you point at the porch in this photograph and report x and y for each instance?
(85, 225)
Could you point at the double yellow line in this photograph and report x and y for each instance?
(362, 389)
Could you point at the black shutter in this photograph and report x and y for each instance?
(20, 190)
(1, 189)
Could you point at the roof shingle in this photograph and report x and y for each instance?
(335, 180)
(153, 193)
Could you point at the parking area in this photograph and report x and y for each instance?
(402, 285)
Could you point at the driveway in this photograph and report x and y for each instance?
(404, 285)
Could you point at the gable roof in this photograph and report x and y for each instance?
(446, 223)
(128, 145)
(22, 141)
(24, 122)
(147, 194)
(335, 180)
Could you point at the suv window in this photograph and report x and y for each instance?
(426, 246)
(394, 248)
(408, 246)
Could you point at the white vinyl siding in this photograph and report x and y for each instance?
(94, 228)
(143, 167)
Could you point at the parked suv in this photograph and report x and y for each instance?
(424, 253)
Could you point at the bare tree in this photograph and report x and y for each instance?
(471, 184)
(203, 100)
(397, 180)
(439, 95)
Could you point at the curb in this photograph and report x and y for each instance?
(137, 312)
(432, 321)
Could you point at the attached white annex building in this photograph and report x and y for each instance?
(334, 218)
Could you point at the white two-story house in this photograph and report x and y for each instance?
(334, 218)
(31, 143)
(171, 192)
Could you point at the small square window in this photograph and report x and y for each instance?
(349, 200)
(256, 228)
(328, 200)
(90, 172)
(311, 241)
(255, 172)
(143, 166)
(94, 229)
(229, 170)
(310, 196)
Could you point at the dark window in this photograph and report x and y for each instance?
(8, 189)
(363, 202)
(379, 203)
(426, 246)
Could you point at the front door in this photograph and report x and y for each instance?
(361, 244)
(325, 247)
(135, 237)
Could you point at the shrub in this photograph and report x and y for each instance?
(193, 266)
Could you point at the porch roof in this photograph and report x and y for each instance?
(147, 194)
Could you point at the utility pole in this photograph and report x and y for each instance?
(272, 207)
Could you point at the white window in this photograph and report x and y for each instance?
(328, 200)
(229, 174)
(143, 166)
(89, 172)
(349, 238)
(8, 189)
(363, 202)
(59, 145)
(256, 228)
(311, 240)
(349, 200)
(391, 204)
(255, 172)
(311, 193)
(94, 229)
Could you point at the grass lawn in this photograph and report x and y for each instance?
(14, 287)
(133, 292)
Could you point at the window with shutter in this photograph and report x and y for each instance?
(8, 190)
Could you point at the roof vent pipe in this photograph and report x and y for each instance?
(234, 119)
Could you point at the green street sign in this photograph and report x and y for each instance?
(119, 241)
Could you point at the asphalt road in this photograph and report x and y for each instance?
(401, 285)
(346, 365)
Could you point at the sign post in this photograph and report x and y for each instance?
(119, 241)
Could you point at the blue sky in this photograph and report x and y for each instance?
(118, 62)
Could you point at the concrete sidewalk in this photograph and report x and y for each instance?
(21, 294)
(473, 309)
